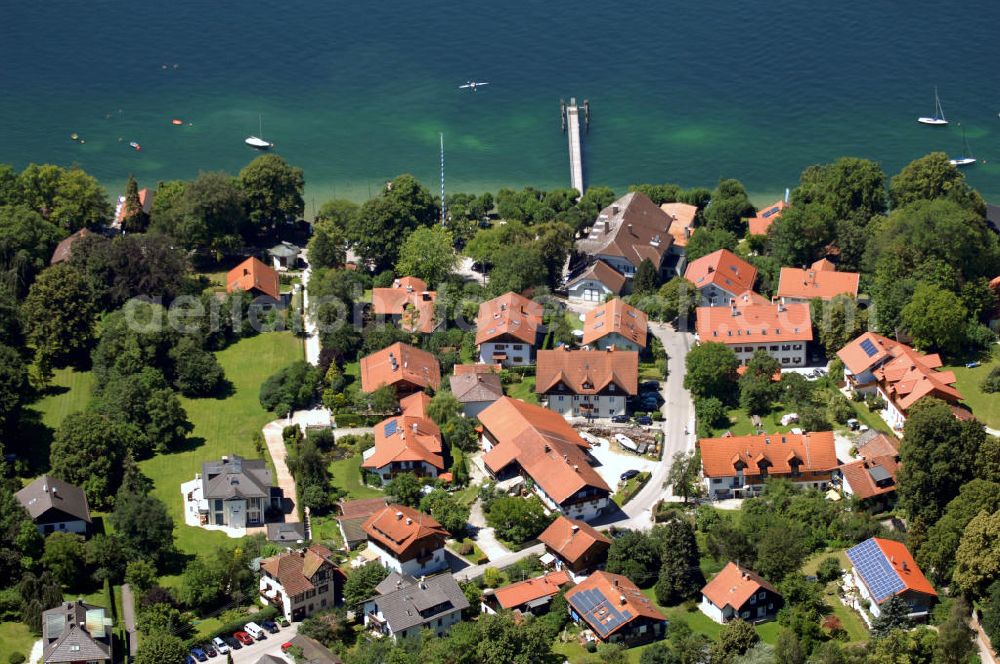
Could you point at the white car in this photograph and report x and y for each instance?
(220, 645)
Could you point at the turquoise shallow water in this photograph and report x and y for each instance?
(356, 92)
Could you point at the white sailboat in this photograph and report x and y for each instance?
(938, 118)
(966, 158)
(256, 141)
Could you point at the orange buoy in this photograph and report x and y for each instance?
(176, 122)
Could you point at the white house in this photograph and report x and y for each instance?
(587, 383)
(736, 592)
(615, 324)
(882, 569)
(595, 283)
(747, 325)
(405, 606)
(302, 582)
(235, 492)
(56, 506)
(720, 276)
(507, 330)
(406, 540)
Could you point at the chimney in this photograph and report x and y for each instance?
(630, 230)
(399, 515)
(414, 427)
(711, 269)
(45, 486)
(687, 231)
(906, 568)
(575, 528)
(576, 468)
(615, 209)
(547, 448)
(621, 599)
(409, 521)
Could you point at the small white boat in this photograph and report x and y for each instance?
(255, 141)
(938, 118)
(966, 159)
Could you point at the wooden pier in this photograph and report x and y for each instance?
(571, 121)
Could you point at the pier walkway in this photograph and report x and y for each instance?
(575, 151)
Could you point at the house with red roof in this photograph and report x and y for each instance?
(720, 276)
(901, 375)
(407, 540)
(595, 282)
(145, 202)
(522, 439)
(574, 545)
(615, 323)
(405, 368)
(405, 444)
(882, 569)
(766, 216)
(682, 220)
(407, 303)
(615, 610)
(738, 466)
(587, 383)
(625, 233)
(299, 583)
(529, 596)
(821, 281)
(507, 330)
(737, 592)
(747, 325)
(872, 478)
(254, 277)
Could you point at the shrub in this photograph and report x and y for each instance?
(465, 549)
(840, 409)
(16, 658)
(291, 388)
(874, 402)
(992, 381)
(829, 569)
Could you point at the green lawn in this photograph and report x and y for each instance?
(986, 407)
(221, 426)
(573, 320)
(853, 625)
(525, 390)
(739, 422)
(346, 475)
(15, 637)
(325, 529)
(68, 393)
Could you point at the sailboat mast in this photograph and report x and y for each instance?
(443, 217)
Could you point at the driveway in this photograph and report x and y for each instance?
(615, 462)
(283, 477)
(312, 337)
(485, 536)
(269, 646)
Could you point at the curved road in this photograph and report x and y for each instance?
(678, 420)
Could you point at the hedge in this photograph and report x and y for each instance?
(269, 613)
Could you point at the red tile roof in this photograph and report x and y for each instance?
(517, 594)
(401, 529)
(858, 475)
(681, 221)
(510, 314)
(818, 281)
(587, 371)
(766, 216)
(615, 316)
(571, 539)
(465, 369)
(364, 507)
(873, 444)
(904, 374)
(294, 570)
(397, 363)
(64, 250)
(619, 592)
(902, 562)
(733, 586)
(543, 443)
(754, 323)
(409, 298)
(252, 275)
(815, 453)
(724, 269)
(415, 405)
(603, 273)
(404, 438)
(632, 228)
(145, 202)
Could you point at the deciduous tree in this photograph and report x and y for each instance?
(361, 582)
(88, 450)
(932, 177)
(729, 208)
(711, 371)
(977, 561)
(427, 254)
(59, 316)
(160, 647)
(272, 190)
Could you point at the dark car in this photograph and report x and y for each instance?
(243, 638)
(650, 386)
(232, 643)
(619, 419)
(188, 659)
(644, 420)
(629, 474)
(199, 654)
(208, 649)
(270, 626)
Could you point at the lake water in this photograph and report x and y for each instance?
(357, 92)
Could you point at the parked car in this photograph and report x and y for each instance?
(650, 386)
(270, 626)
(629, 474)
(853, 424)
(255, 630)
(644, 420)
(971, 365)
(233, 643)
(199, 654)
(209, 649)
(243, 638)
(619, 419)
(221, 646)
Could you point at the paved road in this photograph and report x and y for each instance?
(312, 338)
(269, 646)
(678, 425)
(128, 617)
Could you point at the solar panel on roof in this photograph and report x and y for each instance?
(390, 427)
(770, 212)
(878, 574)
(869, 348)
